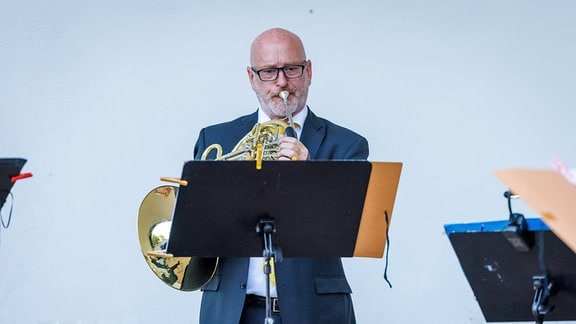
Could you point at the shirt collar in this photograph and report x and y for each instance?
(299, 118)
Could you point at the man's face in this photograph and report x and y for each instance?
(279, 55)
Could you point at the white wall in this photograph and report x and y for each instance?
(104, 97)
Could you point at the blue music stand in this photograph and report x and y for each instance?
(513, 285)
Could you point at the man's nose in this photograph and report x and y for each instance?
(282, 80)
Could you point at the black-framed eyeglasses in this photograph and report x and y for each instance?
(292, 71)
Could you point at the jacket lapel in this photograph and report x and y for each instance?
(313, 134)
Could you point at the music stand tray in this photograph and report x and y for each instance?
(504, 279)
(9, 167)
(319, 208)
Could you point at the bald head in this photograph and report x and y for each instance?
(276, 42)
(274, 51)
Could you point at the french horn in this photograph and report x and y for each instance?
(157, 207)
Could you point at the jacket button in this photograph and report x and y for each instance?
(242, 285)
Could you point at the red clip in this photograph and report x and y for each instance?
(20, 176)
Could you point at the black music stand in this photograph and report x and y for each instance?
(317, 206)
(9, 168)
(311, 208)
(512, 285)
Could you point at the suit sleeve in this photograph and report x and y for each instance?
(200, 145)
(358, 150)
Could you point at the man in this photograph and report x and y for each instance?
(306, 290)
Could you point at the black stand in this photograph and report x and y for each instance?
(312, 208)
(9, 170)
(512, 284)
(315, 206)
(9, 174)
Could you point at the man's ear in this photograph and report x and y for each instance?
(251, 75)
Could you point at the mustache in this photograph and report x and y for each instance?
(290, 93)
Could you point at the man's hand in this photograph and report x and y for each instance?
(292, 149)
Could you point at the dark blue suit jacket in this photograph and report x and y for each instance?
(310, 290)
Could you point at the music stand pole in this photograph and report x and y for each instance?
(266, 228)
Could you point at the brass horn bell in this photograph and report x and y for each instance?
(154, 223)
